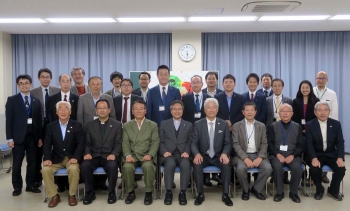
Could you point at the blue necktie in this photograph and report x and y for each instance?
(163, 95)
(47, 113)
(198, 107)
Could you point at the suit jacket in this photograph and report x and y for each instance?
(154, 100)
(260, 102)
(118, 105)
(110, 144)
(139, 143)
(240, 140)
(314, 140)
(56, 148)
(206, 90)
(73, 100)
(190, 107)
(86, 108)
(200, 141)
(138, 92)
(235, 113)
(16, 118)
(298, 111)
(111, 93)
(270, 110)
(38, 93)
(74, 89)
(261, 91)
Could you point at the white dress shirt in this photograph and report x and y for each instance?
(323, 126)
(250, 133)
(329, 96)
(139, 126)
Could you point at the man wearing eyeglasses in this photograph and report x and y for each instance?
(144, 80)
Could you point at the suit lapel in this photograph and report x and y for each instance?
(244, 133)
(318, 129)
(68, 132)
(256, 136)
(108, 130)
(205, 132)
(59, 132)
(91, 104)
(217, 129)
(329, 131)
(97, 130)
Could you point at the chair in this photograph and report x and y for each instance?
(4, 151)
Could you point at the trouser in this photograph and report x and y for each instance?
(170, 164)
(148, 170)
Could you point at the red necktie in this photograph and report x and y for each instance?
(65, 98)
(251, 97)
(125, 112)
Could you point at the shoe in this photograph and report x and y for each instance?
(174, 185)
(278, 197)
(72, 201)
(325, 179)
(54, 201)
(33, 189)
(89, 197)
(37, 184)
(207, 182)
(168, 198)
(136, 185)
(258, 195)
(245, 196)
(295, 198)
(335, 196)
(17, 192)
(130, 198)
(199, 200)
(61, 189)
(226, 199)
(319, 195)
(216, 178)
(219, 184)
(120, 186)
(112, 198)
(286, 180)
(182, 198)
(103, 187)
(148, 199)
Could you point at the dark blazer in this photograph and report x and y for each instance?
(206, 90)
(314, 140)
(235, 113)
(190, 107)
(270, 118)
(298, 111)
(16, 118)
(73, 100)
(139, 93)
(55, 148)
(111, 144)
(260, 102)
(200, 142)
(118, 105)
(154, 100)
(261, 91)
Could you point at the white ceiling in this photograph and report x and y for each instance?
(161, 8)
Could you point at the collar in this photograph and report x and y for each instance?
(61, 124)
(43, 88)
(141, 121)
(214, 121)
(117, 90)
(252, 93)
(68, 93)
(323, 123)
(274, 96)
(129, 96)
(93, 96)
(321, 90)
(268, 90)
(166, 86)
(23, 95)
(199, 93)
(179, 121)
(248, 123)
(102, 123)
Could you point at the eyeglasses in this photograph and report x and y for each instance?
(102, 108)
(195, 83)
(22, 84)
(138, 109)
(321, 79)
(125, 85)
(176, 109)
(286, 111)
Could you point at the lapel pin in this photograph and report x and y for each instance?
(72, 101)
(110, 126)
(33, 99)
(71, 127)
(68, 131)
(330, 126)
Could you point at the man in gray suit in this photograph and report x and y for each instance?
(79, 87)
(211, 145)
(86, 104)
(250, 144)
(175, 151)
(43, 93)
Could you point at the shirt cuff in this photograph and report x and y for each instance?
(10, 140)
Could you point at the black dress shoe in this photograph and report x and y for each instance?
(335, 196)
(182, 198)
(89, 197)
(295, 198)
(245, 196)
(226, 199)
(319, 195)
(130, 198)
(216, 178)
(258, 195)
(278, 197)
(112, 198)
(199, 200)
(174, 185)
(168, 198)
(148, 199)
(37, 184)
(17, 192)
(33, 190)
(207, 182)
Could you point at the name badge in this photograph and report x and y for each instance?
(197, 115)
(29, 121)
(303, 122)
(161, 108)
(284, 148)
(276, 115)
(95, 117)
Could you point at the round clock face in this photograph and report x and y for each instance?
(187, 52)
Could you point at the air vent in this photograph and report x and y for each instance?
(270, 6)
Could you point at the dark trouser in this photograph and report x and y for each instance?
(28, 147)
(215, 161)
(338, 174)
(88, 166)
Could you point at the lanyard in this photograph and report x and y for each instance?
(322, 94)
(246, 129)
(282, 129)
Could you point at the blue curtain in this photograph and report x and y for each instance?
(292, 56)
(97, 54)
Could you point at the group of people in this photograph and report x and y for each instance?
(79, 128)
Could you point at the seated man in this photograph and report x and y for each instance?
(63, 148)
(210, 153)
(175, 151)
(140, 147)
(102, 148)
(285, 145)
(250, 144)
(325, 145)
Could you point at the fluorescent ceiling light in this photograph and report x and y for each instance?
(340, 17)
(165, 19)
(80, 20)
(294, 18)
(208, 19)
(22, 20)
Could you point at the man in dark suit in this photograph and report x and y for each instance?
(123, 103)
(175, 150)
(63, 148)
(266, 80)
(325, 145)
(80, 87)
(211, 145)
(144, 80)
(102, 148)
(23, 133)
(161, 96)
(211, 79)
(115, 78)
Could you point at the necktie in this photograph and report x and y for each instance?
(26, 103)
(251, 97)
(265, 92)
(65, 98)
(278, 103)
(163, 95)
(198, 107)
(47, 114)
(125, 111)
(211, 140)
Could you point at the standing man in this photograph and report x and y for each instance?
(63, 148)
(144, 80)
(43, 93)
(115, 78)
(211, 79)
(175, 150)
(102, 148)
(211, 145)
(161, 96)
(266, 80)
(23, 133)
(79, 87)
